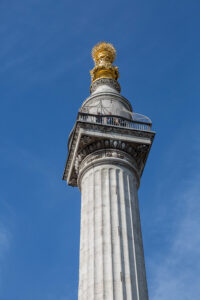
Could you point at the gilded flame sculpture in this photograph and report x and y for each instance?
(104, 55)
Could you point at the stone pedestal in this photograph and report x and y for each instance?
(111, 252)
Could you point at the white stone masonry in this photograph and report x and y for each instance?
(111, 251)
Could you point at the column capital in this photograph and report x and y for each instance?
(107, 156)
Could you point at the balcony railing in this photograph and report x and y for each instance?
(117, 121)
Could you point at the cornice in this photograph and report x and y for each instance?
(88, 138)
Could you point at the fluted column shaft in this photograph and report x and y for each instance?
(111, 251)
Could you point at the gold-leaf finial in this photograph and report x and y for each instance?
(104, 55)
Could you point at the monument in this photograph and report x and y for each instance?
(107, 151)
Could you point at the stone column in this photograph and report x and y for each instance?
(111, 251)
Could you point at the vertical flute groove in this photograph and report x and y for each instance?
(115, 241)
(126, 232)
(118, 188)
(111, 236)
(81, 256)
(101, 234)
(104, 189)
(131, 243)
(95, 232)
(93, 200)
(85, 291)
(111, 233)
(134, 253)
(90, 236)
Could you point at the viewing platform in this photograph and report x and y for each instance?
(139, 122)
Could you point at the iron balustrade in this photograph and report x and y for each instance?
(111, 120)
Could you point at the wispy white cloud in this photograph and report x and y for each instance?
(5, 240)
(175, 273)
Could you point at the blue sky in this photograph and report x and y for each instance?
(44, 77)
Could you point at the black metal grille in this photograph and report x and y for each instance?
(111, 120)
